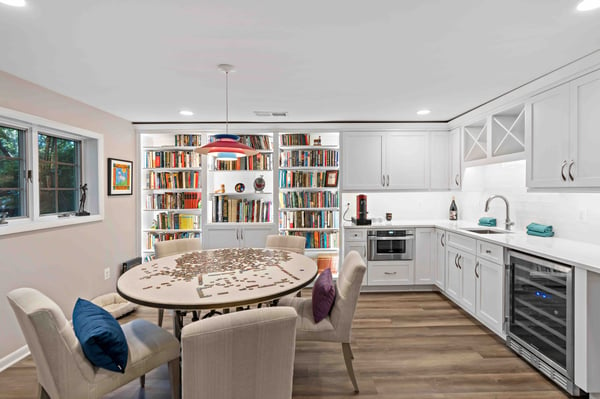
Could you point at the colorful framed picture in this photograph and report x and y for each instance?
(120, 177)
(331, 178)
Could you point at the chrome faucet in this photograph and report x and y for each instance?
(508, 222)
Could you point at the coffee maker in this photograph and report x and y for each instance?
(361, 211)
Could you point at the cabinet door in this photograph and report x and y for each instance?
(455, 171)
(406, 160)
(490, 294)
(453, 275)
(439, 165)
(469, 282)
(440, 260)
(548, 138)
(362, 161)
(584, 164)
(425, 255)
(391, 273)
(221, 237)
(361, 248)
(254, 236)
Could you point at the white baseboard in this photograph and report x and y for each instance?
(13, 358)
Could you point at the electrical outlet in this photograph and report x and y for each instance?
(107, 273)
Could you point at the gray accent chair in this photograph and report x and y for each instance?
(64, 372)
(338, 325)
(288, 243)
(247, 354)
(174, 247)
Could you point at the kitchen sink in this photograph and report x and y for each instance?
(486, 231)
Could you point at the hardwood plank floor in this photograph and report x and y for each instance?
(406, 345)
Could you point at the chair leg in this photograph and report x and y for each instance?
(143, 380)
(42, 394)
(161, 313)
(175, 377)
(348, 356)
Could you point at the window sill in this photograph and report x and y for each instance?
(22, 226)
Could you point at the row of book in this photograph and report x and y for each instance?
(309, 158)
(176, 221)
(309, 199)
(258, 142)
(174, 201)
(226, 210)
(318, 239)
(166, 180)
(255, 162)
(298, 178)
(152, 237)
(294, 139)
(308, 219)
(172, 159)
(187, 140)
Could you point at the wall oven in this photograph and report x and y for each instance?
(390, 244)
(540, 316)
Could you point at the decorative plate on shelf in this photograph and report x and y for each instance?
(239, 188)
(259, 183)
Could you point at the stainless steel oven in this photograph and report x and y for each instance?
(540, 316)
(390, 244)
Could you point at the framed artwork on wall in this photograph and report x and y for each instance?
(120, 177)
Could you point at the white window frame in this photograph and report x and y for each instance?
(92, 172)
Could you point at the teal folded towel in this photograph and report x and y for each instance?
(538, 234)
(539, 228)
(489, 222)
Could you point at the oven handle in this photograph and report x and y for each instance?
(373, 238)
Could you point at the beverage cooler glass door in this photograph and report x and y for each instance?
(541, 308)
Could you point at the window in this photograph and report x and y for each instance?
(12, 172)
(59, 174)
(43, 165)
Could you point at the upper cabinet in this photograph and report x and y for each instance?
(562, 135)
(455, 166)
(385, 161)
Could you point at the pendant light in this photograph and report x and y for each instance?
(226, 146)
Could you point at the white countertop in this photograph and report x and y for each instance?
(574, 253)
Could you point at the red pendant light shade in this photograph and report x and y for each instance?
(227, 143)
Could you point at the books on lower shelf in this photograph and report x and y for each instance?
(255, 162)
(174, 201)
(308, 219)
(309, 199)
(177, 221)
(152, 237)
(298, 178)
(318, 239)
(171, 180)
(240, 210)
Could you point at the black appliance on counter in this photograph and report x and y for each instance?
(361, 211)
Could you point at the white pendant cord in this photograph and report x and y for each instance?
(227, 102)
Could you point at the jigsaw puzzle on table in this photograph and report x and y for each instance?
(219, 270)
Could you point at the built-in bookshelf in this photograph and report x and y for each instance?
(171, 203)
(309, 197)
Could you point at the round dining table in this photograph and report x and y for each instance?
(216, 279)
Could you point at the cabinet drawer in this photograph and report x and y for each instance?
(355, 235)
(491, 252)
(461, 242)
(390, 273)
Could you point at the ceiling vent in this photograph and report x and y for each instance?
(270, 114)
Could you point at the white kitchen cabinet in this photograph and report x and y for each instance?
(383, 273)
(356, 240)
(385, 161)
(468, 297)
(440, 259)
(562, 135)
(453, 274)
(425, 255)
(228, 236)
(455, 157)
(490, 294)
(439, 156)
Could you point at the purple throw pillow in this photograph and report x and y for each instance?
(323, 295)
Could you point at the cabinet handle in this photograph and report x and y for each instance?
(570, 170)
(562, 171)
(456, 260)
(387, 180)
(456, 180)
(237, 234)
(383, 180)
(459, 258)
(442, 240)
(476, 266)
(389, 273)
(487, 251)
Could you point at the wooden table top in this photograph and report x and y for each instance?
(217, 278)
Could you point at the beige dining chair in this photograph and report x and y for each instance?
(62, 369)
(247, 354)
(173, 247)
(288, 243)
(338, 325)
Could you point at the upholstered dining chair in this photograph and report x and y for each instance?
(336, 327)
(64, 372)
(247, 354)
(288, 243)
(173, 247)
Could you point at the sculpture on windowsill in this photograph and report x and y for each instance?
(82, 198)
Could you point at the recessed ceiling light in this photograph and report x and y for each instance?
(14, 3)
(185, 112)
(423, 112)
(587, 5)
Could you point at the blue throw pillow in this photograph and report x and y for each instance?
(323, 295)
(100, 335)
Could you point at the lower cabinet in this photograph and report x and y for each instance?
(228, 236)
(425, 255)
(356, 240)
(490, 294)
(439, 277)
(391, 273)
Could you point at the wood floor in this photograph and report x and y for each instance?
(408, 345)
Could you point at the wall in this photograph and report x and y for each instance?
(67, 262)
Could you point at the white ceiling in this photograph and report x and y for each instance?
(327, 60)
